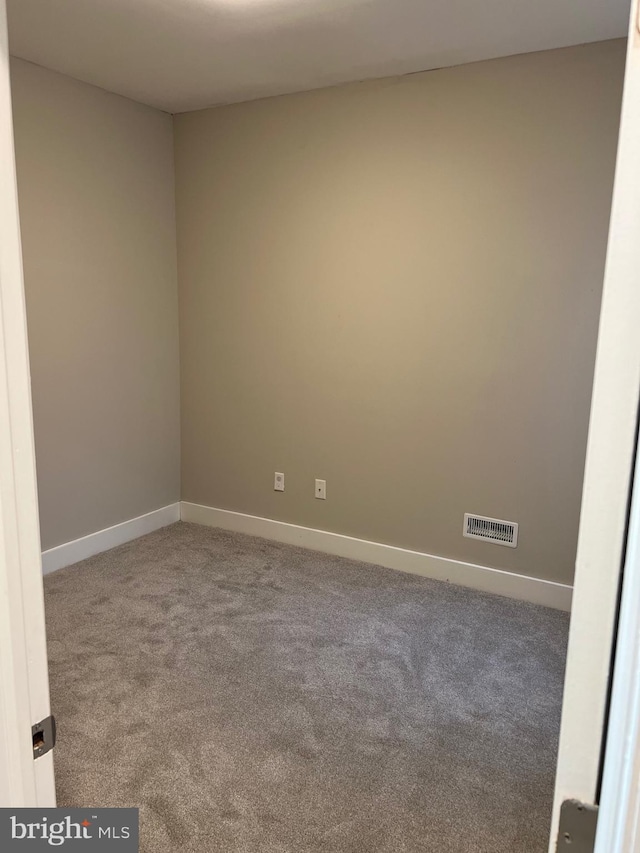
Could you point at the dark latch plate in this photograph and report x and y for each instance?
(44, 736)
(578, 822)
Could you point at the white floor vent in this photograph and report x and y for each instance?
(490, 530)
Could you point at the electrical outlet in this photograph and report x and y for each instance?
(321, 490)
(278, 482)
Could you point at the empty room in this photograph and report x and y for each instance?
(312, 298)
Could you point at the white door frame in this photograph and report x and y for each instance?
(619, 817)
(24, 681)
(606, 491)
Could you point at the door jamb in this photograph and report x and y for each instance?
(24, 684)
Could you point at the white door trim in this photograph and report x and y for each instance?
(619, 817)
(608, 473)
(24, 683)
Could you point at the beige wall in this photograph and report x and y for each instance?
(395, 286)
(96, 193)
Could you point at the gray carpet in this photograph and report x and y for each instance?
(252, 697)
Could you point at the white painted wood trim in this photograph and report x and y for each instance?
(24, 682)
(481, 578)
(608, 473)
(110, 537)
(619, 816)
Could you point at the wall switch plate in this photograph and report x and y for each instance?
(278, 482)
(321, 490)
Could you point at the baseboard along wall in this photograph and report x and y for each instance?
(521, 587)
(110, 537)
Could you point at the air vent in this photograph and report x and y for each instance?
(490, 530)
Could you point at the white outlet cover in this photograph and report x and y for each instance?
(321, 490)
(278, 482)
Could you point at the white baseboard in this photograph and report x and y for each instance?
(499, 582)
(110, 537)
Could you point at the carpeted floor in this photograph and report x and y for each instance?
(252, 697)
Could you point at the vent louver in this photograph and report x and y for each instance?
(490, 530)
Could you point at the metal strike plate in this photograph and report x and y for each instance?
(44, 736)
(578, 822)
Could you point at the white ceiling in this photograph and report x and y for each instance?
(186, 54)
